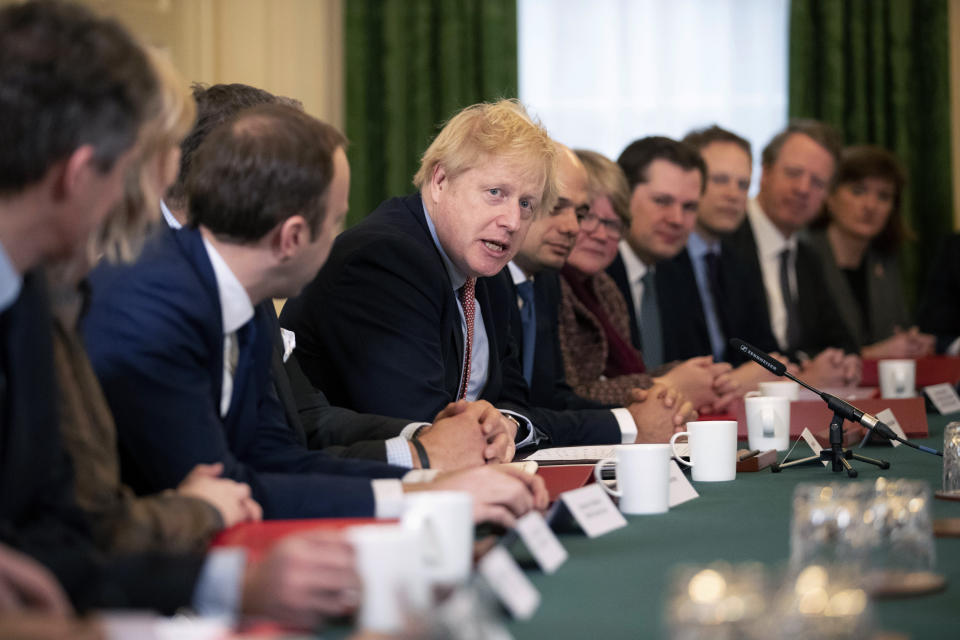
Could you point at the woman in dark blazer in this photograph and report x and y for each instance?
(857, 239)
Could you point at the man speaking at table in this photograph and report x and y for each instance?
(182, 348)
(400, 320)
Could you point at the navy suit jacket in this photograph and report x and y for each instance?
(548, 384)
(741, 311)
(379, 331)
(38, 511)
(820, 323)
(155, 337)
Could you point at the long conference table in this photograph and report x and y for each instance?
(616, 586)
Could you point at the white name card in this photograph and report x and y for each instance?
(944, 397)
(513, 589)
(680, 488)
(593, 510)
(812, 443)
(886, 417)
(541, 541)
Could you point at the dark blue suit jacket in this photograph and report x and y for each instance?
(741, 311)
(548, 384)
(38, 511)
(379, 331)
(155, 338)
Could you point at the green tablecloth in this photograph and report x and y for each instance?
(615, 586)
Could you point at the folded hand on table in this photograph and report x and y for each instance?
(658, 412)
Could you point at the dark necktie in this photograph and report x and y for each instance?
(528, 316)
(468, 299)
(712, 261)
(650, 333)
(242, 368)
(789, 302)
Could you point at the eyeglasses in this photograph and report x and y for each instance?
(589, 222)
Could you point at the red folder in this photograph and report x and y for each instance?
(560, 478)
(911, 413)
(257, 537)
(931, 370)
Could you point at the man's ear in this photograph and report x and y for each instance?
(292, 236)
(74, 172)
(438, 181)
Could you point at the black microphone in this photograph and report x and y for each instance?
(835, 404)
(775, 367)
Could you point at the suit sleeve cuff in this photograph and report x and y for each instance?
(398, 452)
(531, 438)
(387, 497)
(217, 593)
(628, 427)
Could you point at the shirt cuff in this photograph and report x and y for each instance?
(398, 452)
(420, 475)
(531, 438)
(217, 593)
(628, 426)
(408, 431)
(387, 498)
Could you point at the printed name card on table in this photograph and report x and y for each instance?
(886, 417)
(512, 587)
(593, 510)
(680, 488)
(944, 397)
(811, 441)
(541, 542)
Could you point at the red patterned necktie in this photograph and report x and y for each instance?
(468, 299)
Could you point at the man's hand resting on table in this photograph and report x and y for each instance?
(467, 434)
(658, 412)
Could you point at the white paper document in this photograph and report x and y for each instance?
(591, 453)
(886, 417)
(541, 541)
(512, 587)
(593, 510)
(680, 488)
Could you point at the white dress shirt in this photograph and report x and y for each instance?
(636, 269)
(770, 244)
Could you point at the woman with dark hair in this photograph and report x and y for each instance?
(857, 237)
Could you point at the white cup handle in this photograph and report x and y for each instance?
(431, 551)
(598, 476)
(767, 418)
(673, 446)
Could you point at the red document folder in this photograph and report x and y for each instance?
(911, 413)
(566, 477)
(257, 537)
(932, 370)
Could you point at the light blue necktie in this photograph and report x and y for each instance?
(650, 334)
(528, 316)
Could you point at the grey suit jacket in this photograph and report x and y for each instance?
(887, 304)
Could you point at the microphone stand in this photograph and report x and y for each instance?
(836, 454)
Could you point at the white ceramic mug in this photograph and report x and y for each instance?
(780, 388)
(443, 522)
(897, 378)
(768, 422)
(395, 588)
(713, 449)
(643, 477)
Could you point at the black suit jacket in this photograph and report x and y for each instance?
(38, 514)
(548, 385)
(683, 318)
(315, 422)
(379, 331)
(940, 309)
(820, 323)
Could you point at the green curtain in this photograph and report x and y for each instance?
(410, 65)
(879, 71)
